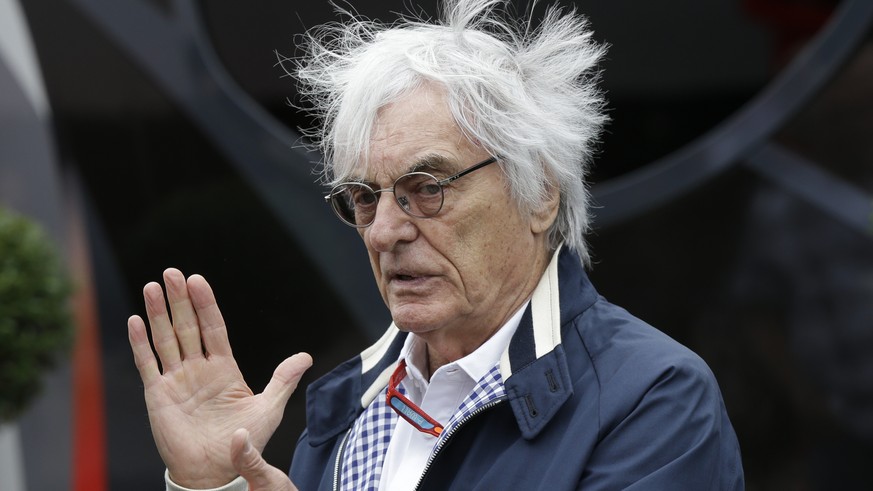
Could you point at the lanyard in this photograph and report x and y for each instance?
(406, 408)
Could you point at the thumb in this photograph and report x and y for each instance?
(286, 377)
(248, 462)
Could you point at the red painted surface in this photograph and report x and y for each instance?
(89, 419)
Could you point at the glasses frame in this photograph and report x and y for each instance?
(441, 182)
(407, 409)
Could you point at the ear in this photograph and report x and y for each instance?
(542, 219)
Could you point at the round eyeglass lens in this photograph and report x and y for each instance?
(419, 194)
(354, 203)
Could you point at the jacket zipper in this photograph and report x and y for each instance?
(339, 460)
(451, 432)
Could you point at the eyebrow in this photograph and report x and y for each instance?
(431, 163)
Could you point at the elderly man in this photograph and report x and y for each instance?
(456, 150)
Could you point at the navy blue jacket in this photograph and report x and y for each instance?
(595, 399)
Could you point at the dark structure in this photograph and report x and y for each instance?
(734, 186)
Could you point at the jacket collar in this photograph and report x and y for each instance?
(534, 366)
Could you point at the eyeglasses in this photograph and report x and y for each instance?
(419, 194)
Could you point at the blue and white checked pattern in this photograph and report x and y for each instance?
(369, 436)
(488, 388)
(367, 446)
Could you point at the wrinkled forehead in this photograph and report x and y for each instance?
(414, 132)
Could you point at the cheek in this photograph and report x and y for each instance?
(491, 227)
(374, 262)
(480, 249)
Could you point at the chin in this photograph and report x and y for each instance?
(407, 325)
(416, 319)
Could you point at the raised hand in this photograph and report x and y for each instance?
(201, 398)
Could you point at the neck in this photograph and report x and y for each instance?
(437, 358)
(445, 346)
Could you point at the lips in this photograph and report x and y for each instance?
(407, 272)
(406, 276)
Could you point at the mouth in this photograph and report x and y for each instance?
(406, 277)
(403, 277)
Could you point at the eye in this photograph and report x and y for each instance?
(363, 197)
(429, 189)
(424, 186)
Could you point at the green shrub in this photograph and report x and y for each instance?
(35, 321)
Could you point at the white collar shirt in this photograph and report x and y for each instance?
(410, 449)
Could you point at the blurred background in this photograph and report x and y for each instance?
(734, 194)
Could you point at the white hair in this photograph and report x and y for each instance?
(526, 94)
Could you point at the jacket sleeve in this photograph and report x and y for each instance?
(669, 433)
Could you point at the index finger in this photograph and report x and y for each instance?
(213, 331)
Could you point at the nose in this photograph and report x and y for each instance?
(390, 226)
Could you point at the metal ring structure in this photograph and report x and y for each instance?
(176, 52)
(745, 132)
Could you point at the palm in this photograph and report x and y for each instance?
(201, 398)
(211, 400)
